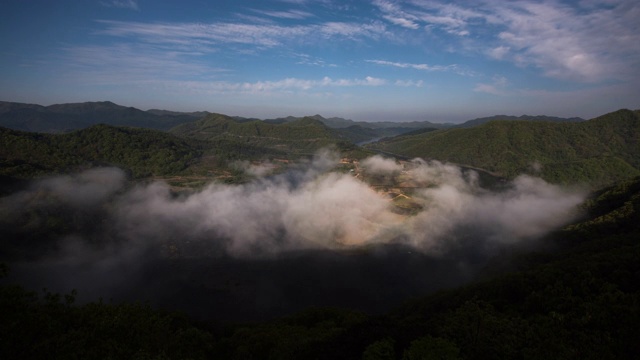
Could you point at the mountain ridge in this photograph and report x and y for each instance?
(597, 151)
(73, 116)
(67, 117)
(484, 120)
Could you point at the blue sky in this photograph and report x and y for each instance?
(394, 60)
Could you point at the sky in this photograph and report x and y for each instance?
(376, 60)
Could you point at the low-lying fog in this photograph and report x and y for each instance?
(281, 243)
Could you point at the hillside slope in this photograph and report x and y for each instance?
(143, 152)
(538, 118)
(302, 136)
(597, 152)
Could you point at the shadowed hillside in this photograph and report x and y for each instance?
(73, 116)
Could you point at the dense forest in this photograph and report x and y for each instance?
(205, 147)
(302, 135)
(142, 152)
(597, 152)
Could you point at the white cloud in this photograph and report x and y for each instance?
(586, 41)
(496, 87)
(393, 13)
(289, 14)
(378, 165)
(402, 22)
(568, 42)
(499, 52)
(451, 18)
(306, 59)
(309, 208)
(424, 67)
(409, 83)
(284, 85)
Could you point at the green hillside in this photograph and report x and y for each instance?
(537, 118)
(304, 135)
(598, 151)
(142, 152)
(204, 147)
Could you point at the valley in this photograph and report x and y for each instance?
(269, 233)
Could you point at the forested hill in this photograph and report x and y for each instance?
(302, 135)
(66, 117)
(200, 148)
(143, 152)
(340, 123)
(484, 120)
(597, 152)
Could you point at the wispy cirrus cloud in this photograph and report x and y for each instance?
(147, 65)
(289, 14)
(572, 42)
(414, 15)
(409, 83)
(133, 63)
(124, 4)
(393, 13)
(423, 67)
(495, 87)
(266, 35)
(293, 83)
(585, 41)
(306, 59)
(286, 85)
(289, 85)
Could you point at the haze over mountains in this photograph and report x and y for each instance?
(74, 116)
(65, 117)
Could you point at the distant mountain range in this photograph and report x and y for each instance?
(595, 152)
(73, 116)
(484, 120)
(66, 117)
(340, 123)
(204, 147)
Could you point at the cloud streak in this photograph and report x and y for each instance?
(422, 67)
(265, 35)
(283, 85)
(124, 4)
